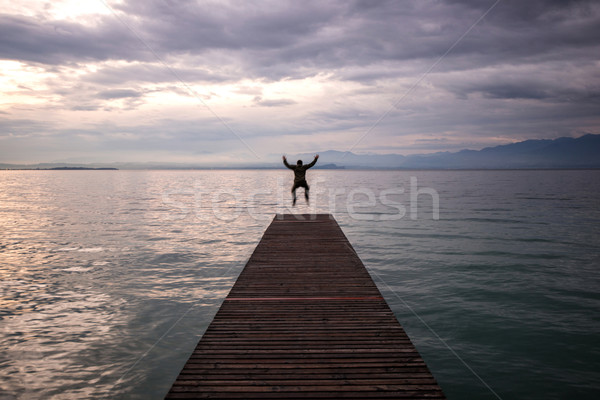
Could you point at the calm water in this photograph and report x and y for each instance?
(109, 278)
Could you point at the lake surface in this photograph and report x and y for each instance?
(109, 278)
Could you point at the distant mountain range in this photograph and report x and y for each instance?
(581, 152)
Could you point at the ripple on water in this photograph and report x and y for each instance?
(109, 279)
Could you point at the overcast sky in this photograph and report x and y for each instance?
(203, 81)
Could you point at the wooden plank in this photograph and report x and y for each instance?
(305, 320)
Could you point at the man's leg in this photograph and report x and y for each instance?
(306, 189)
(294, 195)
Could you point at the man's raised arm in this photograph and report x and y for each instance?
(286, 163)
(313, 162)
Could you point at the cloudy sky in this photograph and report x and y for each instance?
(212, 81)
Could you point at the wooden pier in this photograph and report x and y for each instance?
(305, 320)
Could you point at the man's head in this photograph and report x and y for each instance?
(299, 163)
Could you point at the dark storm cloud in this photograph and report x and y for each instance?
(277, 39)
(508, 91)
(60, 42)
(185, 25)
(523, 31)
(118, 94)
(555, 82)
(259, 101)
(86, 107)
(155, 73)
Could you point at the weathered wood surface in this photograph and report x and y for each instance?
(305, 320)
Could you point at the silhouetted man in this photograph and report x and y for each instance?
(300, 177)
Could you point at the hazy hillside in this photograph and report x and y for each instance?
(581, 152)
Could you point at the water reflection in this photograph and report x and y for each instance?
(92, 273)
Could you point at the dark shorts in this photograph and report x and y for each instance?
(300, 184)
